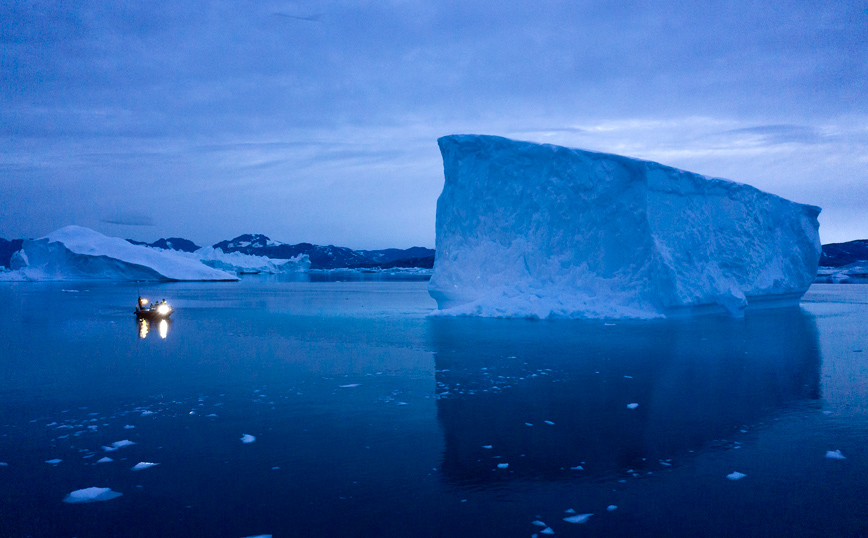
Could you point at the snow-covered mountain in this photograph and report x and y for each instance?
(321, 257)
(841, 254)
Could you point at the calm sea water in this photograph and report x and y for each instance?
(372, 418)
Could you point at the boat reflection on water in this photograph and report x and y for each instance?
(557, 400)
(145, 327)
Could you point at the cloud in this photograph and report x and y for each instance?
(129, 219)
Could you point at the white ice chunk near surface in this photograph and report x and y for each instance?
(579, 518)
(735, 475)
(55, 461)
(533, 230)
(632, 405)
(835, 455)
(143, 465)
(122, 444)
(547, 530)
(350, 386)
(611, 508)
(89, 495)
(104, 460)
(502, 465)
(247, 438)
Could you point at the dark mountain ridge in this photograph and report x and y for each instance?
(841, 254)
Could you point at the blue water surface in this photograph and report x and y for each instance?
(373, 418)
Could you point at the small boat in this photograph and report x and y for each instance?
(157, 311)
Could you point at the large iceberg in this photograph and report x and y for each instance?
(77, 253)
(536, 230)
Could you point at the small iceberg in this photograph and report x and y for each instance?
(144, 465)
(835, 455)
(611, 508)
(632, 406)
(247, 438)
(120, 444)
(55, 461)
(735, 475)
(502, 465)
(104, 460)
(91, 495)
(580, 518)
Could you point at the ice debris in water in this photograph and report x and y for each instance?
(835, 455)
(247, 438)
(121, 444)
(3, 464)
(55, 461)
(502, 465)
(144, 465)
(89, 495)
(104, 460)
(632, 406)
(611, 507)
(489, 447)
(735, 475)
(351, 385)
(580, 518)
(561, 232)
(547, 530)
(549, 422)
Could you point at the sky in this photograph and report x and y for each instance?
(318, 121)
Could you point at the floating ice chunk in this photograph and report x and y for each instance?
(569, 511)
(735, 475)
(502, 465)
(835, 455)
(577, 468)
(104, 460)
(549, 422)
(144, 465)
(547, 530)
(146, 413)
(247, 438)
(109, 448)
(580, 518)
(351, 385)
(3, 464)
(90, 495)
(611, 507)
(121, 444)
(55, 461)
(539, 523)
(489, 447)
(528, 424)
(129, 427)
(632, 406)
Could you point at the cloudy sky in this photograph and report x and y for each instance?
(318, 121)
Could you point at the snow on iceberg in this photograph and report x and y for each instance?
(532, 230)
(77, 253)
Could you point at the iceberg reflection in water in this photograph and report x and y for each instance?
(554, 399)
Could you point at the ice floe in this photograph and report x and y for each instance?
(104, 460)
(351, 385)
(579, 518)
(632, 406)
(90, 495)
(247, 438)
(835, 455)
(735, 475)
(502, 465)
(611, 507)
(55, 461)
(547, 530)
(143, 465)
